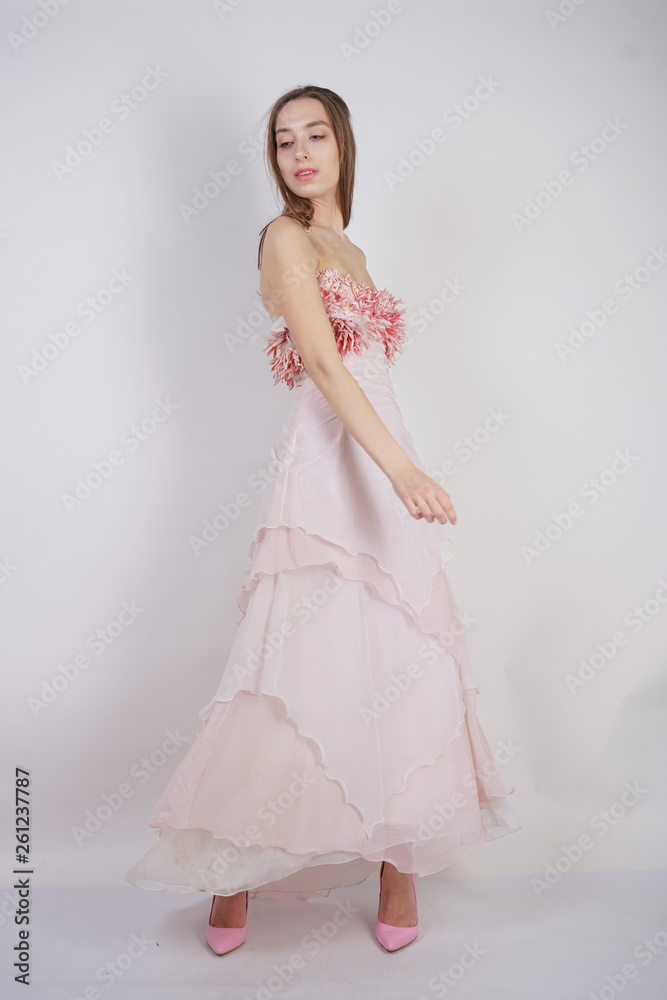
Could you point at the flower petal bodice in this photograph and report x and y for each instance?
(358, 315)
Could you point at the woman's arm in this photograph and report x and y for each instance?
(289, 266)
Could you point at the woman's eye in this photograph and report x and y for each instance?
(287, 142)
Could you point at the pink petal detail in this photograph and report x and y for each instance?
(358, 315)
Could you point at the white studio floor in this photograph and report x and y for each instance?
(590, 936)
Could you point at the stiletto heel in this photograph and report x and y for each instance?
(390, 937)
(224, 939)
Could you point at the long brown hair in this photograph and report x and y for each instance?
(296, 207)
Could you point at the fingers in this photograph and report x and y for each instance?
(448, 507)
(413, 507)
(432, 506)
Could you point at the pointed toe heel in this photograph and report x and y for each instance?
(390, 937)
(224, 939)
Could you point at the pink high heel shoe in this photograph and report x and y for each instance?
(224, 939)
(390, 937)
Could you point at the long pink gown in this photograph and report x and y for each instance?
(344, 729)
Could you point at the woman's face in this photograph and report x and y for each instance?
(306, 148)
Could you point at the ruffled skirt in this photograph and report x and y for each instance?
(344, 729)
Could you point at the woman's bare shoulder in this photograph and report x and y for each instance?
(358, 249)
(287, 246)
(285, 234)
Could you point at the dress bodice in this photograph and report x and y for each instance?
(360, 316)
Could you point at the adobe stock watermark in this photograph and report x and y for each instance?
(267, 814)
(592, 490)
(140, 772)
(312, 943)
(446, 979)
(364, 34)
(637, 618)
(121, 108)
(467, 446)
(98, 642)
(130, 440)
(258, 481)
(7, 570)
(303, 610)
(419, 320)
(9, 907)
(88, 310)
(431, 652)
(32, 24)
(247, 328)
(225, 7)
(113, 970)
(644, 951)
(625, 288)
(454, 116)
(581, 158)
(600, 824)
(444, 812)
(562, 13)
(464, 449)
(220, 179)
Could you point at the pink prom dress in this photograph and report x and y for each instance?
(344, 729)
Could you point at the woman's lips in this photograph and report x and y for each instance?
(304, 175)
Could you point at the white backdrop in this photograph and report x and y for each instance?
(525, 236)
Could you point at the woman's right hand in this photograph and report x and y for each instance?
(423, 497)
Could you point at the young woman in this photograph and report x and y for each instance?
(344, 731)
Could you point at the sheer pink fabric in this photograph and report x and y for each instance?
(344, 729)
